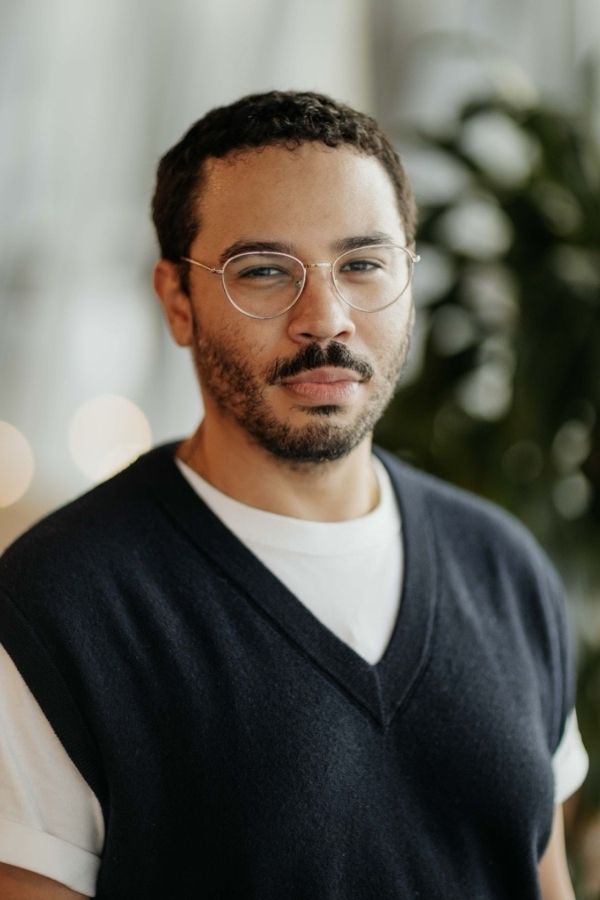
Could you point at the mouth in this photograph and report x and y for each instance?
(326, 385)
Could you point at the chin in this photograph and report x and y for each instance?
(325, 410)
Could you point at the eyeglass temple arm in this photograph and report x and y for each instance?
(195, 262)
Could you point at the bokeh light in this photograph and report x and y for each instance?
(499, 147)
(476, 227)
(572, 495)
(107, 433)
(16, 464)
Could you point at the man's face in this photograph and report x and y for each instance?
(309, 385)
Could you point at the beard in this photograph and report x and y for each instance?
(239, 393)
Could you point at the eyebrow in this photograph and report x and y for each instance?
(252, 246)
(340, 246)
(363, 240)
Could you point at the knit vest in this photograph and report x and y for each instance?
(240, 750)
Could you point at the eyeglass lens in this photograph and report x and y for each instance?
(267, 284)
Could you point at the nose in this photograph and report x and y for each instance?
(319, 314)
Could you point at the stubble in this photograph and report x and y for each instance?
(238, 391)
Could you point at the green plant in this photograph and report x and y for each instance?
(506, 399)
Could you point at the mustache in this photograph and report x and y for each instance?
(313, 356)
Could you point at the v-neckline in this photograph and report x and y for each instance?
(379, 689)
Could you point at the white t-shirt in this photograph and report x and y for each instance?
(50, 820)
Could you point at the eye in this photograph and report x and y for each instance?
(260, 268)
(361, 265)
(365, 263)
(262, 272)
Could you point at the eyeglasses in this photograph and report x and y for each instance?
(264, 285)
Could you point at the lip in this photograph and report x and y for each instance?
(323, 375)
(327, 385)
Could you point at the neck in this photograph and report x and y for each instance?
(323, 492)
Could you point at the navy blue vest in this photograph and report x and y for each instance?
(240, 750)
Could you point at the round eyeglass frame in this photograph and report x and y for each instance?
(413, 257)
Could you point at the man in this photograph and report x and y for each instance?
(264, 662)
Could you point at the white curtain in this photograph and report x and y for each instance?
(92, 93)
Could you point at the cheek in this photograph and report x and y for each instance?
(388, 332)
(246, 344)
(400, 315)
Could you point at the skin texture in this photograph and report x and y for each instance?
(555, 881)
(239, 391)
(310, 199)
(17, 884)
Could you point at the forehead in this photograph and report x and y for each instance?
(311, 192)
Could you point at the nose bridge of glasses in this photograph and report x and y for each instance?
(319, 265)
(316, 265)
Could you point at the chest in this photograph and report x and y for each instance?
(268, 713)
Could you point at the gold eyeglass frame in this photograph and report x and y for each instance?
(300, 285)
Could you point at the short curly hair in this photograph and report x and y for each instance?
(289, 118)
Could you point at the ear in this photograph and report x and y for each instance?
(176, 304)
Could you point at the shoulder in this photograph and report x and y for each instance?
(471, 526)
(77, 540)
(489, 556)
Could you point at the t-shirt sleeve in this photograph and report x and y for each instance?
(570, 761)
(50, 820)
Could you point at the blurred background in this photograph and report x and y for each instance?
(495, 108)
